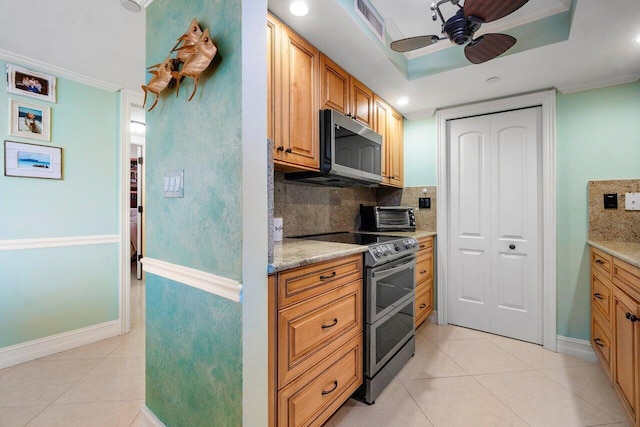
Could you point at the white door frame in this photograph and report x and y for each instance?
(547, 100)
(127, 100)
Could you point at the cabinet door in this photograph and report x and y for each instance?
(395, 149)
(300, 66)
(273, 79)
(361, 103)
(627, 347)
(334, 86)
(381, 112)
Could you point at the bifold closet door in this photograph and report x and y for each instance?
(495, 271)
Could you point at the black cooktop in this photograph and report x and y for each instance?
(351, 238)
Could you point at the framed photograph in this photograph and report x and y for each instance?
(29, 83)
(29, 120)
(32, 161)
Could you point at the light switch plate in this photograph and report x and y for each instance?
(174, 184)
(632, 201)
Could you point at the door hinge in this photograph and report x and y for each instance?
(140, 208)
(140, 160)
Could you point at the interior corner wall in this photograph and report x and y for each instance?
(597, 139)
(57, 283)
(194, 338)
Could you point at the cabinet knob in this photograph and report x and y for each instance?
(280, 148)
(288, 150)
(632, 317)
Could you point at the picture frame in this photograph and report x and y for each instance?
(22, 81)
(32, 161)
(29, 120)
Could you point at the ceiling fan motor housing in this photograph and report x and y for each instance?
(461, 29)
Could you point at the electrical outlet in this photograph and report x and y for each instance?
(632, 201)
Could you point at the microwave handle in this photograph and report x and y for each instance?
(391, 270)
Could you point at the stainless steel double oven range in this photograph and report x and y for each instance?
(389, 294)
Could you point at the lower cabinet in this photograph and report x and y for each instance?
(315, 326)
(615, 326)
(424, 281)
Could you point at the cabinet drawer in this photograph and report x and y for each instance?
(308, 331)
(424, 304)
(601, 262)
(425, 243)
(424, 266)
(627, 277)
(601, 295)
(305, 282)
(313, 398)
(601, 342)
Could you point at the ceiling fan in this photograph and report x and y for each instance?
(461, 27)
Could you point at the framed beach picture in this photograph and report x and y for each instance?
(32, 161)
(29, 120)
(29, 83)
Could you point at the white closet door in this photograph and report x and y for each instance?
(495, 269)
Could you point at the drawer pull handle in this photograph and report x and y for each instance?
(632, 317)
(423, 306)
(599, 261)
(335, 386)
(597, 295)
(598, 341)
(423, 271)
(331, 276)
(335, 322)
(423, 246)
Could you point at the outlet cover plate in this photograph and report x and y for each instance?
(632, 201)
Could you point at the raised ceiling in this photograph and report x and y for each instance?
(589, 43)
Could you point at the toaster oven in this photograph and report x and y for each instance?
(387, 218)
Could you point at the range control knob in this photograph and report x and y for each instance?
(396, 246)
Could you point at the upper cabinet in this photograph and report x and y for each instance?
(343, 92)
(389, 123)
(300, 82)
(293, 97)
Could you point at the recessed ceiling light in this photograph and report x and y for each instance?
(130, 5)
(493, 80)
(403, 100)
(298, 8)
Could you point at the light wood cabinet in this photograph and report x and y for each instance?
(424, 281)
(389, 123)
(315, 326)
(615, 326)
(293, 65)
(342, 92)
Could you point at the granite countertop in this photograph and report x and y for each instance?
(292, 253)
(625, 251)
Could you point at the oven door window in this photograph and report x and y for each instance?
(389, 335)
(389, 284)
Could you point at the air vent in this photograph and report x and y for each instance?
(370, 17)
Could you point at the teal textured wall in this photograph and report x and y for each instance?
(597, 139)
(50, 291)
(194, 339)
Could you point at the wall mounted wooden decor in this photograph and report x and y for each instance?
(194, 53)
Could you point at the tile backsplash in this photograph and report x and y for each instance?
(613, 224)
(311, 209)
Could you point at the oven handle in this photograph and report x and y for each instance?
(391, 270)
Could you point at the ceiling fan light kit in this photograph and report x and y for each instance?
(461, 27)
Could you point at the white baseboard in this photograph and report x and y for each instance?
(149, 419)
(575, 347)
(47, 346)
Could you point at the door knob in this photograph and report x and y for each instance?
(512, 246)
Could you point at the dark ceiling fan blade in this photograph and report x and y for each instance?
(490, 10)
(413, 43)
(487, 47)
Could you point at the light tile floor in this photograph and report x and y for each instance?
(458, 377)
(462, 377)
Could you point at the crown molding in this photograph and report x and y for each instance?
(57, 71)
(597, 84)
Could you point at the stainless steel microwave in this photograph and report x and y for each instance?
(350, 153)
(387, 218)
